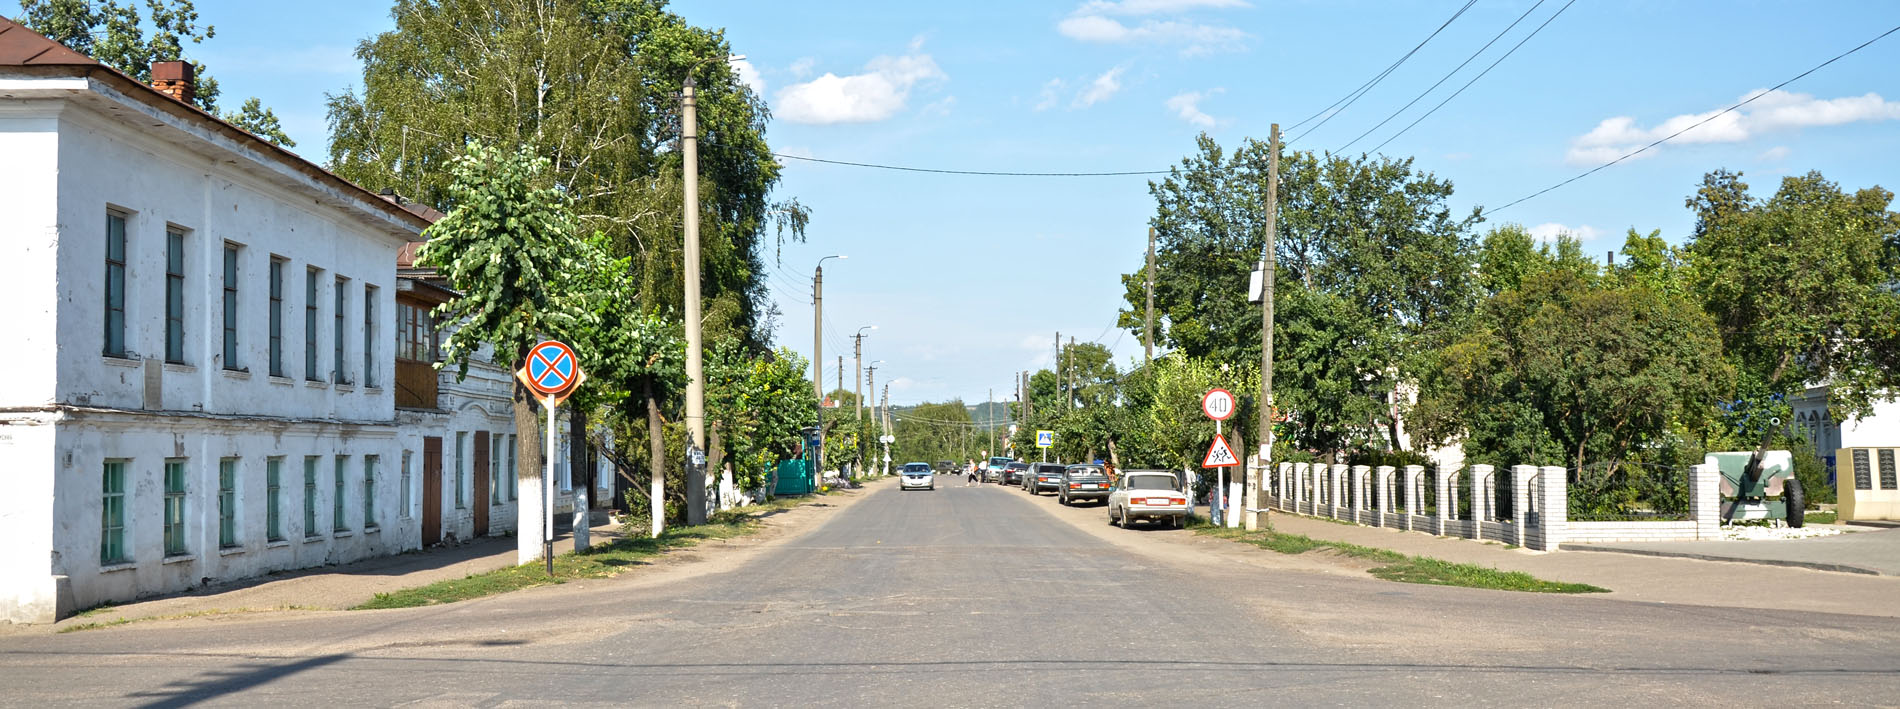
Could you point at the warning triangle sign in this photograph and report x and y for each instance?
(1220, 455)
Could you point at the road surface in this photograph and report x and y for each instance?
(978, 596)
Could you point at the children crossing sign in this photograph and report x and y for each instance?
(1220, 455)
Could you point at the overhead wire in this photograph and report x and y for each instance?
(1354, 97)
(1711, 117)
(991, 173)
(1443, 79)
(1487, 70)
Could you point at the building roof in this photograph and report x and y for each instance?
(24, 48)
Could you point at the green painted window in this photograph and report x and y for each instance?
(274, 500)
(511, 474)
(174, 295)
(112, 514)
(227, 503)
(231, 306)
(175, 508)
(310, 497)
(115, 284)
(369, 336)
(494, 469)
(310, 325)
(369, 491)
(276, 317)
(338, 521)
(403, 497)
(338, 372)
(461, 469)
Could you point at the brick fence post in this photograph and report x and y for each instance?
(1447, 502)
(1553, 507)
(1413, 505)
(1520, 500)
(1705, 500)
(1358, 499)
(1480, 507)
(1299, 485)
(1385, 491)
(1332, 493)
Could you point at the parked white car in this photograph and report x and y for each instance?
(1148, 495)
(918, 476)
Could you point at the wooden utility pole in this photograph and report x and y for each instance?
(1070, 404)
(1269, 262)
(1057, 365)
(1148, 340)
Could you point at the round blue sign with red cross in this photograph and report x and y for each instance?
(551, 367)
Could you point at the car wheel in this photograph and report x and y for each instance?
(1116, 521)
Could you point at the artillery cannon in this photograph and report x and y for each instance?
(1747, 486)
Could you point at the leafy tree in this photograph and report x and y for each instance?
(260, 121)
(930, 432)
(757, 405)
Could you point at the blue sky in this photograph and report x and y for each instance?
(969, 278)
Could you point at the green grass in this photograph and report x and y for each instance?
(1403, 568)
(603, 561)
(1818, 517)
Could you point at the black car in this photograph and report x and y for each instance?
(944, 467)
(1013, 473)
(1083, 482)
(1043, 476)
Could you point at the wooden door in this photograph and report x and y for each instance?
(480, 503)
(431, 491)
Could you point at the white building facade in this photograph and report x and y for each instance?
(199, 382)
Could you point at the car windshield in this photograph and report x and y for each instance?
(916, 468)
(1150, 482)
(1086, 473)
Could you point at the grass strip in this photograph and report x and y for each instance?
(1403, 568)
(602, 561)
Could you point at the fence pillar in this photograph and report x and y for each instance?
(1553, 507)
(1332, 494)
(1385, 490)
(1357, 499)
(1520, 500)
(1705, 500)
(1250, 507)
(1413, 505)
(1284, 470)
(1447, 502)
(1480, 506)
(1319, 488)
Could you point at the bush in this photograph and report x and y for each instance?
(1629, 491)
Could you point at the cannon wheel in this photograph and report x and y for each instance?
(1797, 502)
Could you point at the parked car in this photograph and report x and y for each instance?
(993, 470)
(917, 476)
(1083, 482)
(1013, 473)
(945, 467)
(1153, 495)
(1043, 476)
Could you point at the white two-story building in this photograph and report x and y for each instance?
(198, 379)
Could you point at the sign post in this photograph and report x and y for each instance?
(1218, 404)
(554, 372)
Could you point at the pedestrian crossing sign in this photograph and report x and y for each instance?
(1045, 439)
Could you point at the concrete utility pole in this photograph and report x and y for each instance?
(857, 363)
(818, 351)
(1056, 364)
(1269, 263)
(1071, 358)
(695, 381)
(1148, 340)
(989, 414)
(886, 408)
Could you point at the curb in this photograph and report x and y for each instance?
(1813, 565)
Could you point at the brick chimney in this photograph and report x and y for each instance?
(175, 79)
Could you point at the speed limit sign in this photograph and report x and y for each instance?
(1218, 405)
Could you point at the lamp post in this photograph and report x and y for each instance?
(818, 356)
(695, 381)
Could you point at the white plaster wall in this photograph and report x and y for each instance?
(28, 590)
(29, 237)
(1880, 430)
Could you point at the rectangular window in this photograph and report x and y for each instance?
(310, 496)
(276, 317)
(403, 499)
(338, 373)
(512, 474)
(174, 296)
(310, 325)
(338, 521)
(415, 333)
(369, 336)
(494, 469)
(230, 306)
(227, 503)
(112, 514)
(175, 508)
(369, 491)
(274, 500)
(461, 469)
(115, 284)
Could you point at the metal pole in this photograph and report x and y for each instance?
(547, 494)
(695, 381)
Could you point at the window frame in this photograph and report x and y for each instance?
(461, 467)
(114, 345)
(276, 276)
(227, 503)
(112, 509)
(177, 491)
(310, 530)
(312, 276)
(233, 252)
(274, 499)
(369, 336)
(339, 370)
(174, 295)
(369, 491)
(404, 498)
(339, 512)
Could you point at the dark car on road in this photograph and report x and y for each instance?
(1013, 473)
(944, 467)
(1083, 482)
(1043, 476)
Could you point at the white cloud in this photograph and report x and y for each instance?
(1187, 106)
(1774, 154)
(749, 75)
(802, 67)
(1773, 111)
(1047, 99)
(1092, 22)
(1549, 231)
(1100, 89)
(875, 95)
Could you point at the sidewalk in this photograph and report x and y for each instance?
(332, 587)
(1865, 551)
(1637, 578)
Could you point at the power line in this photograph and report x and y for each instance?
(1441, 80)
(993, 173)
(1743, 102)
(1487, 70)
(1353, 97)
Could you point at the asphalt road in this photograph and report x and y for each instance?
(979, 597)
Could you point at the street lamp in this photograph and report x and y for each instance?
(695, 381)
(857, 362)
(818, 356)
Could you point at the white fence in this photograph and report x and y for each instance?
(1538, 513)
